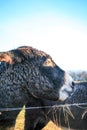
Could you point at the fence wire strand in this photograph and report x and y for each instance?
(80, 105)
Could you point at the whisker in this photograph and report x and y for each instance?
(69, 112)
(59, 116)
(84, 113)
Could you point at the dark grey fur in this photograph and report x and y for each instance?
(77, 115)
(26, 74)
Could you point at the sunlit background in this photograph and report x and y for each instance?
(58, 27)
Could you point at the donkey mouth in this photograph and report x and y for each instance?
(65, 92)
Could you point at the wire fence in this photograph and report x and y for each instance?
(80, 105)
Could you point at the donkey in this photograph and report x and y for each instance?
(27, 74)
(69, 115)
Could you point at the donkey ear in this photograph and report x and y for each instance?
(6, 58)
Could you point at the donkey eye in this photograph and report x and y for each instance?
(49, 63)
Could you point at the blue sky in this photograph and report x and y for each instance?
(13, 9)
(58, 27)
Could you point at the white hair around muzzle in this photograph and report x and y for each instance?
(67, 88)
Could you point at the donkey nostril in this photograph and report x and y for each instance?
(73, 84)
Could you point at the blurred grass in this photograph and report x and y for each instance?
(51, 126)
(20, 123)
